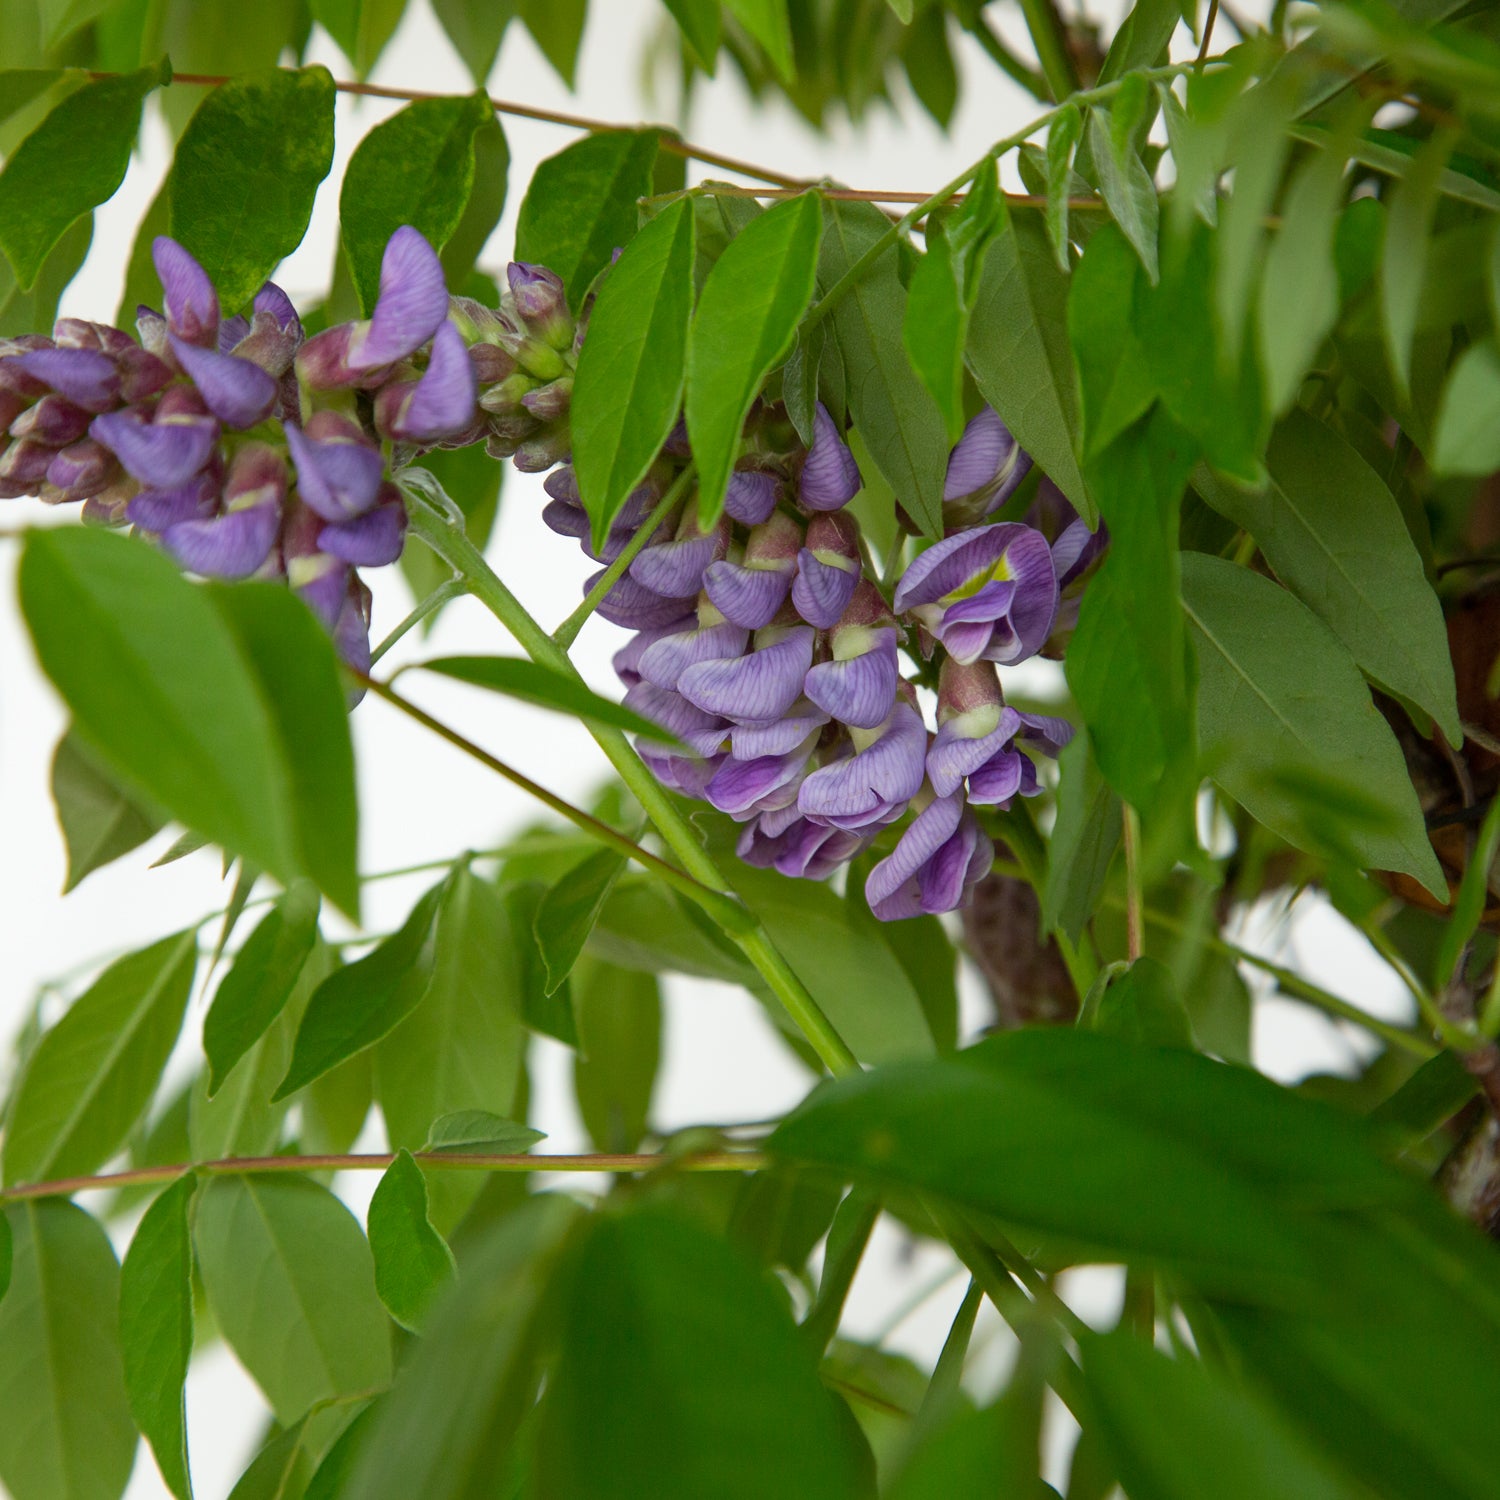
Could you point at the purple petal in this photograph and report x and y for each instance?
(233, 545)
(688, 774)
(776, 736)
(87, 378)
(762, 685)
(940, 856)
(562, 484)
(339, 480)
(664, 661)
(231, 331)
(162, 455)
(750, 497)
(142, 374)
(860, 689)
(1000, 778)
(82, 469)
(440, 403)
(985, 467)
(952, 564)
(274, 303)
(237, 392)
(1075, 550)
(800, 849)
(676, 569)
(1045, 732)
(566, 518)
(957, 750)
(192, 304)
(24, 465)
(627, 660)
(321, 581)
(635, 607)
(750, 596)
(866, 786)
(53, 420)
(411, 307)
(351, 630)
(743, 788)
(830, 477)
(705, 733)
(821, 589)
(371, 540)
(156, 510)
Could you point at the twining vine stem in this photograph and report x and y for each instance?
(378, 1161)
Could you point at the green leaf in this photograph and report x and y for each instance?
(297, 671)
(23, 312)
(486, 202)
(361, 28)
(936, 327)
(899, 421)
(1404, 263)
(93, 1074)
(1126, 187)
(415, 168)
(533, 683)
(19, 86)
(356, 1006)
(100, 821)
(460, 1051)
(557, 28)
(1467, 440)
(1276, 692)
(477, 1132)
(1141, 39)
(245, 174)
(1335, 536)
(1143, 1006)
(1018, 353)
(1062, 138)
(72, 162)
(746, 320)
(156, 1328)
(475, 27)
(1084, 839)
(927, 58)
(314, 1329)
(413, 1264)
(630, 371)
(619, 1038)
(1177, 1428)
(451, 1420)
(278, 1471)
(677, 1362)
(767, 22)
(581, 205)
(549, 1015)
(331, 1479)
(160, 687)
(67, 1433)
(644, 924)
(566, 914)
(7, 1255)
(698, 20)
(259, 982)
(1299, 296)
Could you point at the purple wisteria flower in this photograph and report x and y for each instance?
(237, 542)
(191, 303)
(830, 477)
(767, 783)
(237, 391)
(751, 496)
(441, 400)
(751, 590)
(162, 453)
(984, 470)
(787, 842)
(941, 856)
(828, 568)
(759, 686)
(872, 786)
(987, 593)
(339, 470)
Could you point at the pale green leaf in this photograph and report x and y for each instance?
(1408, 226)
(1467, 440)
(566, 914)
(360, 27)
(413, 1264)
(767, 22)
(100, 820)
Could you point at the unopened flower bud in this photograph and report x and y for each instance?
(541, 302)
(52, 420)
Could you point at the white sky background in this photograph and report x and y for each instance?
(423, 801)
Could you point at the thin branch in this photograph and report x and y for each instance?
(451, 588)
(1135, 927)
(865, 195)
(1208, 35)
(647, 1161)
(724, 909)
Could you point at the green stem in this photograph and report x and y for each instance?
(1457, 1037)
(1051, 44)
(461, 554)
(450, 589)
(567, 632)
(708, 1161)
(1135, 927)
(943, 1387)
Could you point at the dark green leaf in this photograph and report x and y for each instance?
(767, 22)
(566, 914)
(413, 1263)
(100, 821)
(971, 1455)
(24, 312)
(19, 86)
(450, 1423)
(892, 410)
(476, 1131)
(1143, 1005)
(278, 1471)
(1405, 260)
(551, 1015)
(533, 683)
(631, 368)
(1062, 138)
(1334, 534)
(156, 1328)
(331, 1479)
(1126, 187)
(581, 205)
(160, 687)
(356, 1006)
(415, 168)
(746, 320)
(677, 1363)
(314, 1329)
(297, 671)
(1019, 356)
(7, 1255)
(1467, 440)
(491, 152)
(1276, 693)
(1142, 38)
(935, 328)
(361, 28)
(619, 1040)
(557, 28)
(253, 992)
(475, 27)
(72, 162)
(698, 21)
(245, 174)
(1176, 1429)
(67, 1433)
(1432, 1095)
(93, 1074)
(1084, 839)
